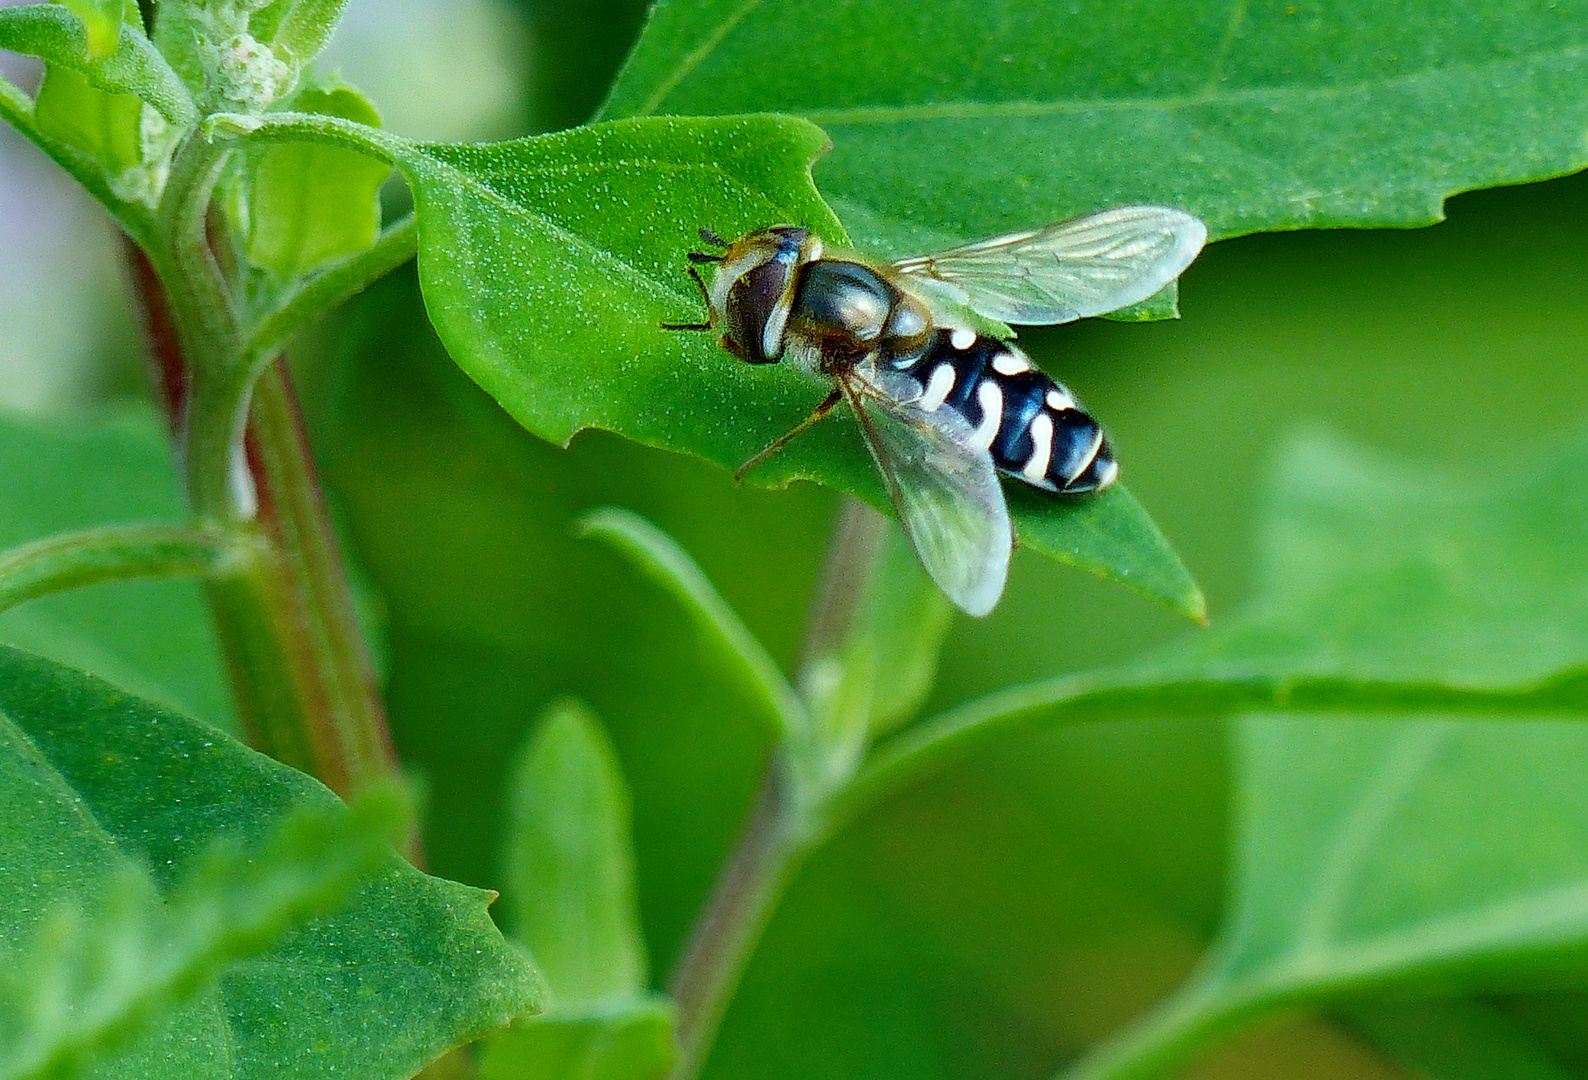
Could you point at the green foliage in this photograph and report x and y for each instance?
(152, 638)
(1253, 117)
(1405, 766)
(104, 792)
(90, 986)
(52, 33)
(312, 204)
(570, 899)
(571, 890)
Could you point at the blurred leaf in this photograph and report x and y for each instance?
(959, 119)
(670, 566)
(297, 30)
(54, 34)
(1378, 853)
(93, 983)
(1453, 1040)
(578, 48)
(1387, 587)
(151, 637)
(548, 265)
(102, 20)
(98, 780)
(313, 203)
(902, 620)
(631, 1042)
(105, 126)
(1378, 570)
(570, 863)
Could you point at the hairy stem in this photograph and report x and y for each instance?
(778, 834)
(295, 655)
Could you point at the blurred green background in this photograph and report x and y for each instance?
(996, 920)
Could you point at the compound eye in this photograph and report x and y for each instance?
(750, 304)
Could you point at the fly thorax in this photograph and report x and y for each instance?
(842, 308)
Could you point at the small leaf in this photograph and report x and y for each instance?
(904, 619)
(102, 20)
(92, 779)
(56, 36)
(671, 567)
(73, 560)
(312, 203)
(631, 1042)
(969, 123)
(297, 29)
(107, 127)
(570, 863)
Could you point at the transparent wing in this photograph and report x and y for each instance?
(946, 492)
(1089, 266)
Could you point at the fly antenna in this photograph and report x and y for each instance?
(710, 236)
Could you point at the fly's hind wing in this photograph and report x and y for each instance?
(946, 492)
(1088, 266)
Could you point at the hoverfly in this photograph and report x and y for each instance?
(942, 407)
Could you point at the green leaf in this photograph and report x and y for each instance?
(1363, 862)
(1453, 1040)
(632, 1042)
(153, 638)
(671, 567)
(570, 863)
(1387, 587)
(297, 29)
(92, 983)
(55, 35)
(902, 620)
(93, 780)
(1377, 570)
(956, 119)
(312, 203)
(107, 127)
(548, 265)
(102, 20)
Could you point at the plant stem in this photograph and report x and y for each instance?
(296, 657)
(723, 939)
(1166, 1039)
(777, 836)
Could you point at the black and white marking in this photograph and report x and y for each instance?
(1030, 424)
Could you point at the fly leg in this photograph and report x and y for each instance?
(696, 257)
(799, 429)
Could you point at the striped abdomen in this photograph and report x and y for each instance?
(1030, 424)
